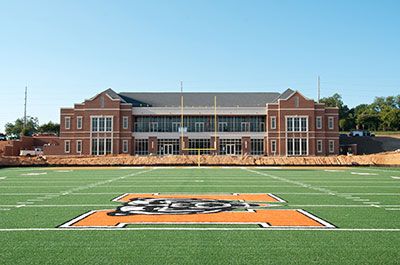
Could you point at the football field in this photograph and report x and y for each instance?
(202, 215)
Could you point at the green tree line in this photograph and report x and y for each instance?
(32, 126)
(383, 114)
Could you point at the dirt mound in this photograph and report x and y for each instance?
(389, 159)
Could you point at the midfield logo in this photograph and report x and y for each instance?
(198, 209)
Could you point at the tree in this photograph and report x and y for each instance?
(346, 121)
(368, 120)
(390, 118)
(49, 127)
(17, 127)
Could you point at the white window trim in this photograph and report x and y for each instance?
(273, 142)
(69, 122)
(245, 125)
(296, 116)
(125, 122)
(199, 125)
(319, 127)
(273, 118)
(319, 150)
(105, 123)
(77, 144)
(300, 146)
(79, 118)
(176, 125)
(153, 125)
(125, 144)
(329, 123)
(222, 125)
(331, 150)
(65, 146)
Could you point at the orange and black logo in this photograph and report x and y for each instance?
(198, 209)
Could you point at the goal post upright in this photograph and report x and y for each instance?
(183, 147)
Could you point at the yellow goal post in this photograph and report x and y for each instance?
(181, 128)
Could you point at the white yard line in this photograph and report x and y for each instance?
(84, 187)
(308, 186)
(200, 185)
(379, 170)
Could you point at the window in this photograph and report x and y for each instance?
(289, 124)
(273, 122)
(95, 124)
(257, 146)
(67, 146)
(108, 146)
(101, 146)
(125, 122)
(245, 126)
(296, 146)
(108, 124)
(94, 147)
(273, 146)
(331, 146)
(222, 126)
(141, 147)
(262, 127)
(175, 126)
(318, 122)
(330, 123)
(101, 124)
(153, 126)
(319, 146)
(303, 123)
(230, 146)
(79, 123)
(199, 127)
(79, 146)
(172, 123)
(125, 146)
(297, 124)
(67, 123)
(168, 147)
(201, 144)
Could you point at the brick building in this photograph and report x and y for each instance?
(281, 124)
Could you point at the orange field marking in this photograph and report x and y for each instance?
(262, 197)
(273, 218)
(281, 218)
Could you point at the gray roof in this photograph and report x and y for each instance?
(198, 99)
(285, 94)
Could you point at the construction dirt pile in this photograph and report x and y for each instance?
(382, 159)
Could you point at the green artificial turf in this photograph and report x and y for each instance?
(356, 200)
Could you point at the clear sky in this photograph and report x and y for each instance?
(67, 51)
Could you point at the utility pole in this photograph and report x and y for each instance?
(26, 92)
(181, 86)
(319, 89)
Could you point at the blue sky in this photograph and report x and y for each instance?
(66, 51)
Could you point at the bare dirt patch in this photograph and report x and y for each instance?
(382, 159)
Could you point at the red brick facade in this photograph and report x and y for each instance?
(77, 129)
